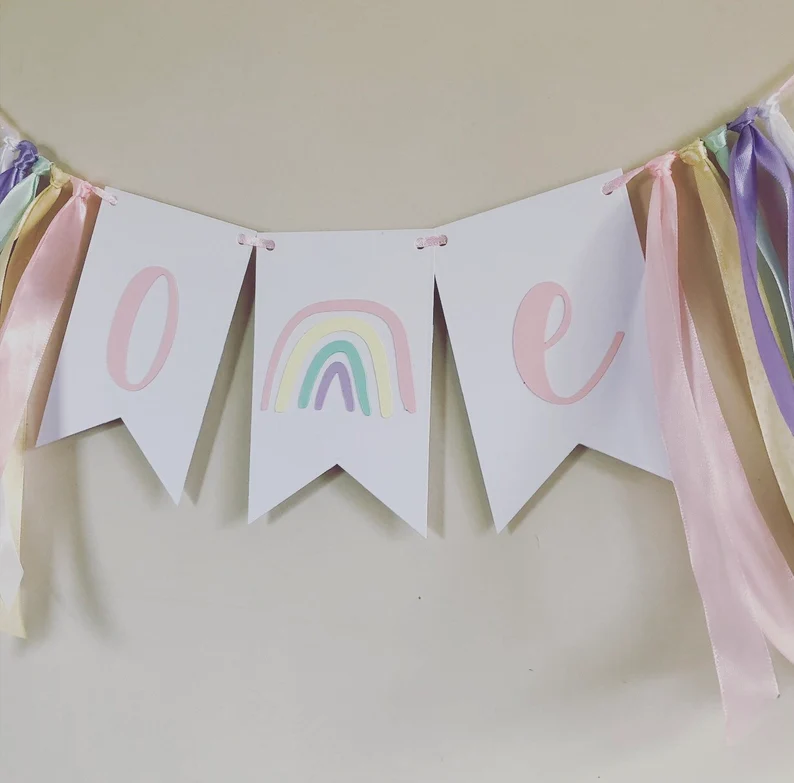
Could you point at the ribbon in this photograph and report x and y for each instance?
(14, 206)
(758, 551)
(780, 132)
(717, 506)
(11, 572)
(753, 149)
(21, 233)
(35, 306)
(27, 154)
(12, 265)
(8, 151)
(773, 278)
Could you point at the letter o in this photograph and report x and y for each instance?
(124, 319)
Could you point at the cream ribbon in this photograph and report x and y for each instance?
(14, 257)
(777, 125)
(9, 138)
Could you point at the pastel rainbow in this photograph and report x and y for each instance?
(352, 324)
(402, 352)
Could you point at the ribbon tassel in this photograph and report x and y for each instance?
(713, 493)
(24, 336)
(770, 578)
(38, 300)
(14, 257)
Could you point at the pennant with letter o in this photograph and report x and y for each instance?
(147, 330)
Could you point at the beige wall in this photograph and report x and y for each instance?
(329, 642)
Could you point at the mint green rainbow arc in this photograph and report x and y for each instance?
(356, 365)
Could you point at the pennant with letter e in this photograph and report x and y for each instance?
(342, 353)
(544, 305)
(147, 330)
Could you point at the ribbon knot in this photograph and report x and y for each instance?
(771, 106)
(778, 128)
(745, 119)
(694, 154)
(717, 140)
(661, 166)
(768, 107)
(58, 177)
(27, 154)
(41, 166)
(658, 167)
(82, 189)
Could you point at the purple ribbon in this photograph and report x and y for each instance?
(27, 155)
(753, 149)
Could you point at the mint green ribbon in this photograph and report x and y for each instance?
(771, 272)
(13, 206)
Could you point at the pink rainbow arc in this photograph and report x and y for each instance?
(402, 351)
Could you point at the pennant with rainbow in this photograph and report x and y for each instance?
(346, 317)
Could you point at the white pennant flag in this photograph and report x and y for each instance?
(147, 330)
(342, 353)
(543, 301)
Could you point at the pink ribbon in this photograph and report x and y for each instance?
(31, 317)
(744, 582)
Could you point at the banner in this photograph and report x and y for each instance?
(342, 353)
(147, 330)
(543, 302)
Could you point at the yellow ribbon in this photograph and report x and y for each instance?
(14, 257)
(722, 227)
